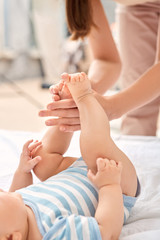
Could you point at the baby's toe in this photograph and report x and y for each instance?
(73, 78)
(84, 75)
(113, 163)
(65, 77)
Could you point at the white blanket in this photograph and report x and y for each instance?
(144, 222)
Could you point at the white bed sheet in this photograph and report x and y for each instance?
(144, 222)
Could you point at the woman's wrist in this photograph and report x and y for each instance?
(110, 104)
(115, 106)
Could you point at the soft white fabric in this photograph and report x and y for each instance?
(144, 222)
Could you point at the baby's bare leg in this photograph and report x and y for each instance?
(110, 210)
(95, 140)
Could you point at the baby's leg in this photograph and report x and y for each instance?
(110, 211)
(95, 140)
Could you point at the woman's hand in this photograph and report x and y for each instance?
(65, 113)
(63, 109)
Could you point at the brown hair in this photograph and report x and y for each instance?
(79, 18)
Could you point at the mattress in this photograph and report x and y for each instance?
(144, 152)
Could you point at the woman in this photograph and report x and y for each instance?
(87, 18)
(139, 50)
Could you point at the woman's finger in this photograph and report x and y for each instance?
(68, 113)
(64, 103)
(62, 121)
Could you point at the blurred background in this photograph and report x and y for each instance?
(33, 36)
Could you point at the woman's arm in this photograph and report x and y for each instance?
(106, 65)
(144, 90)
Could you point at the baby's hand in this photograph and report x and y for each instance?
(27, 163)
(108, 173)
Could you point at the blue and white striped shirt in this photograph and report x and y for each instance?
(64, 205)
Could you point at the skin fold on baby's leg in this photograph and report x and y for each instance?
(95, 139)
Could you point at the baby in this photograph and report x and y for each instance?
(71, 202)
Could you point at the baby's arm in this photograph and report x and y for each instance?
(23, 176)
(54, 144)
(109, 213)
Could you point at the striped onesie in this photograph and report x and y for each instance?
(64, 205)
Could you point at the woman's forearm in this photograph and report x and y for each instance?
(106, 65)
(144, 90)
(103, 74)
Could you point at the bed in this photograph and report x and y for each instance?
(144, 222)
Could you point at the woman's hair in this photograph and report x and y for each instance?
(79, 18)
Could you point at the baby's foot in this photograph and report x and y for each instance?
(60, 90)
(108, 173)
(78, 84)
